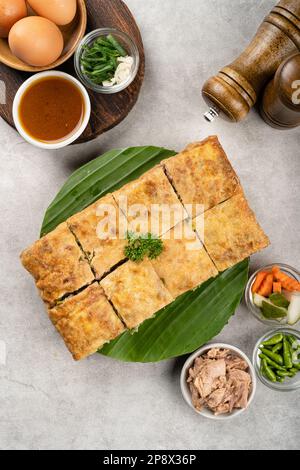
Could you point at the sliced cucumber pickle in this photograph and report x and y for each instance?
(272, 311)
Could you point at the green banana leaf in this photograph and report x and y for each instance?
(186, 324)
(99, 177)
(192, 319)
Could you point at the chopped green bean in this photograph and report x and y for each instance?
(268, 372)
(281, 355)
(287, 357)
(274, 356)
(292, 339)
(277, 347)
(274, 340)
(282, 373)
(271, 363)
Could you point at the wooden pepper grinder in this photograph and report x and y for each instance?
(234, 91)
(281, 101)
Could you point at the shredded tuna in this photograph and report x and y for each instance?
(216, 353)
(219, 381)
(235, 362)
(209, 372)
(223, 409)
(196, 368)
(197, 401)
(216, 398)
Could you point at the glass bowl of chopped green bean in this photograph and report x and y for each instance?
(107, 60)
(276, 359)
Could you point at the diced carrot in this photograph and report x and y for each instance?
(286, 281)
(266, 286)
(258, 280)
(277, 273)
(293, 286)
(277, 287)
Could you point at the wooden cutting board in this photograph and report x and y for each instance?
(107, 110)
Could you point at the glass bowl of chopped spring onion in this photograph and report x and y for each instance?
(274, 308)
(107, 60)
(281, 374)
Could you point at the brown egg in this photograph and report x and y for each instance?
(35, 40)
(11, 11)
(61, 12)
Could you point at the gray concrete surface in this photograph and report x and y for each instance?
(46, 400)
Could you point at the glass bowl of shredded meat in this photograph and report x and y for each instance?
(218, 381)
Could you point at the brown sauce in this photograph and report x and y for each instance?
(51, 109)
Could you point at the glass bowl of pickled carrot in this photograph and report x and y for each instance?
(273, 295)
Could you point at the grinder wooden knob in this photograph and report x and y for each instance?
(234, 91)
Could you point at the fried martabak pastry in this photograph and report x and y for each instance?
(57, 265)
(104, 250)
(232, 233)
(86, 321)
(183, 264)
(136, 292)
(202, 175)
(152, 188)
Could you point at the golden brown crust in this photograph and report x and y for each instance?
(57, 264)
(136, 292)
(103, 254)
(184, 264)
(202, 174)
(86, 322)
(231, 232)
(151, 188)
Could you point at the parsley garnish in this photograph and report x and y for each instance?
(140, 246)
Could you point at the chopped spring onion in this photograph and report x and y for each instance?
(105, 62)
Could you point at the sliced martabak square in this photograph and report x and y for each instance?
(57, 264)
(202, 175)
(98, 231)
(232, 233)
(136, 292)
(86, 321)
(184, 263)
(152, 200)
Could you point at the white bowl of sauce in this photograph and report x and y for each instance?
(51, 110)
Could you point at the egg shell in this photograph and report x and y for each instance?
(36, 41)
(61, 12)
(11, 11)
